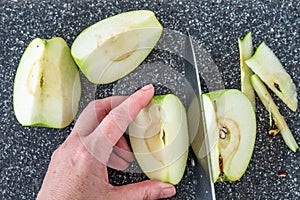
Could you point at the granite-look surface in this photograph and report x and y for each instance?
(25, 151)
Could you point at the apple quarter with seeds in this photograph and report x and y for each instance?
(231, 124)
(113, 47)
(159, 139)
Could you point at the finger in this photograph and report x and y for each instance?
(123, 150)
(115, 123)
(95, 111)
(117, 162)
(101, 141)
(144, 190)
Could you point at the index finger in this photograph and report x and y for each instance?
(115, 123)
(101, 141)
(94, 113)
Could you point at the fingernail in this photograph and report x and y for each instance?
(167, 192)
(147, 87)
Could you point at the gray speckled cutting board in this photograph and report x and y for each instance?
(25, 151)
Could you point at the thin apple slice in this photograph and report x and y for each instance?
(113, 47)
(47, 86)
(270, 105)
(159, 139)
(236, 132)
(268, 67)
(246, 51)
(213, 136)
(198, 138)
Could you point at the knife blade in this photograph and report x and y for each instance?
(197, 124)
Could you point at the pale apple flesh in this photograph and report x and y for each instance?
(113, 47)
(231, 133)
(159, 139)
(246, 51)
(47, 87)
(269, 104)
(267, 66)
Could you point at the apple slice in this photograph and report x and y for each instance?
(246, 51)
(268, 67)
(47, 86)
(159, 139)
(231, 127)
(198, 138)
(269, 104)
(113, 47)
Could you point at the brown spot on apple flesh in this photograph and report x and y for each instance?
(163, 137)
(276, 85)
(42, 81)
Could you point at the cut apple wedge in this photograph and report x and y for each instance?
(113, 47)
(246, 51)
(231, 128)
(268, 67)
(47, 86)
(270, 105)
(159, 139)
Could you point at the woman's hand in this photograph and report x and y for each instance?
(78, 168)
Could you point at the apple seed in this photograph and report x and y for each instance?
(281, 174)
(276, 85)
(221, 175)
(223, 132)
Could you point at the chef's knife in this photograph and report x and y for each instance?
(197, 125)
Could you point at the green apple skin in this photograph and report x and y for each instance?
(47, 86)
(159, 139)
(270, 105)
(246, 51)
(232, 111)
(267, 66)
(113, 47)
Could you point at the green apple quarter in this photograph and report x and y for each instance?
(231, 128)
(111, 48)
(159, 139)
(47, 86)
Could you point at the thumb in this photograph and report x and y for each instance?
(148, 190)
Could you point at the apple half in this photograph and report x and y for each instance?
(47, 86)
(113, 47)
(231, 128)
(267, 66)
(159, 139)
